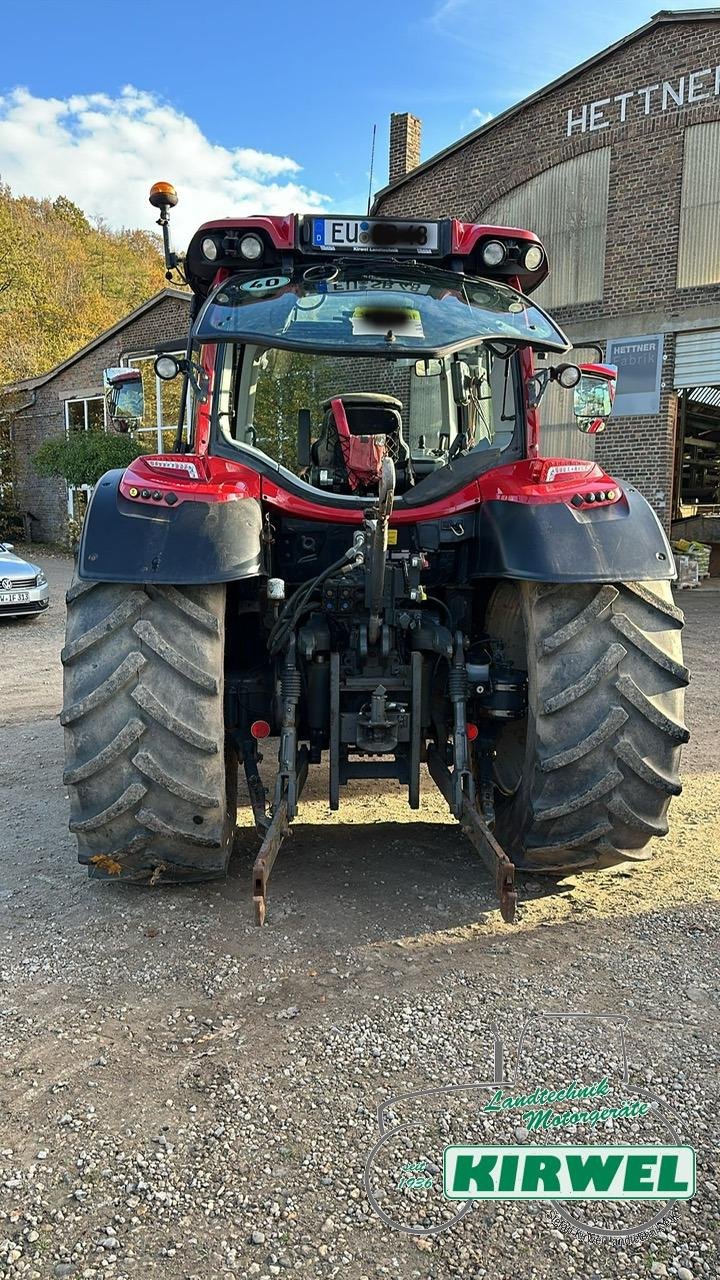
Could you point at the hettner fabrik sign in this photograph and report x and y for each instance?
(648, 100)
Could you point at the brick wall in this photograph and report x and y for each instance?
(46, 499)
(643, 208)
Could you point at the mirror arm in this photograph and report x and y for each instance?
(537, 386)
(193, 374)
(178, 444)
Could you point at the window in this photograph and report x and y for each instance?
(162, 403)
(566, 206)
(371, 308)
(263, 391)
(699, 245)
(85, 415)
(78, 499)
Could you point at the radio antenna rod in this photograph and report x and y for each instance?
(372, 166)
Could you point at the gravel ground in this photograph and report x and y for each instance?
(186, 1096)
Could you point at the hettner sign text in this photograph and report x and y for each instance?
(665, 95)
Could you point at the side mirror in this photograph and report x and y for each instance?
(461, 381)
(428, 368)
(594, 396)
(124, 397)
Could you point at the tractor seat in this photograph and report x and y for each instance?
(378, 420)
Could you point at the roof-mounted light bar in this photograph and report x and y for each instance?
(278, 244)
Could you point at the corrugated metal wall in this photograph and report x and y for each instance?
(699, 248)
(567, 207)
(697, 358)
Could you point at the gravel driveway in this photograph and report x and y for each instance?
(185, 1096)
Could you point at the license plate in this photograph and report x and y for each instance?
(372, 233)
(14, 597)
(375, 284)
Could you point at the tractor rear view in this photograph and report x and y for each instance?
(357, 548)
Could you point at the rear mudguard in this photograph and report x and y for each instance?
(124, 541)
(556, 542)
(538, 541)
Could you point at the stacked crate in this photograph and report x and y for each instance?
(687, 572)
(697, 552)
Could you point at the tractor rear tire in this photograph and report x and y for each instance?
(586, 778)
(151, 777)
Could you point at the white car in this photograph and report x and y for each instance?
(23, 586)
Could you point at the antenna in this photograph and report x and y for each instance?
(372, 166)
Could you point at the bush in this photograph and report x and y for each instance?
(84, 456)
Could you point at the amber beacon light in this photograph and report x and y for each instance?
(163, 195)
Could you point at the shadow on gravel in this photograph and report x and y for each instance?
(407, 878)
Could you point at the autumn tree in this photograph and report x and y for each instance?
(64, 280)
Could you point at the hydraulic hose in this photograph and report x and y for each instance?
(378, 546)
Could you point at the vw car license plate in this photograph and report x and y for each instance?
(14, 597)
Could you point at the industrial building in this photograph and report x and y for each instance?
(616, 165)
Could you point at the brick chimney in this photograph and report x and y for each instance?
(405, 131)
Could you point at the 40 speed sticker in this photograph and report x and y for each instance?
(265, 284)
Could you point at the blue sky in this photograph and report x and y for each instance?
(263, 105)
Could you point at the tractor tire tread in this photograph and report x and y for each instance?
(172, 656)
(146, 699)
(102, 693)
(589, 679)
(614, 720)
(148, 768)
(605, 725)
(587, 616)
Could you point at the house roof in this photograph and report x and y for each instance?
(663, 16)
(31, 384)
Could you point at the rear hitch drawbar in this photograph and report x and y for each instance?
(471, 823)
(273, 837)
(480, 836)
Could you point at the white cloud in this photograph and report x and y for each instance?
(104, 153)
(474, 118)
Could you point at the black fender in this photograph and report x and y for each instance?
(124, 541)
(556, 542)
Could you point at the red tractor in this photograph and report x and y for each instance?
(357, 547)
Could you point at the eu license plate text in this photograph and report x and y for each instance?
(368, 233)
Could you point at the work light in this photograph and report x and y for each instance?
(209, 248)
(494, 252)
(251, 247)
(568, 375)
(167, 368)
(533, 257)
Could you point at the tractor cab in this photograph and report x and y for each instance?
(328, 362)
(323, 346)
